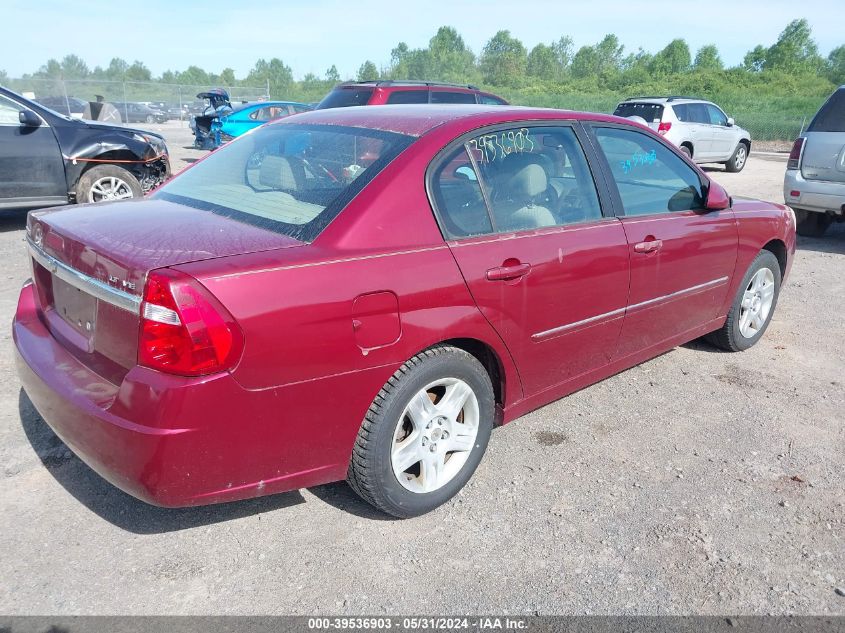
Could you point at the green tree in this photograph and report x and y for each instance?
(74, 68)
(227, 77)
(795, 51)
(835, 65)
(332, 76)
(609, 54)
(563, 49)
(449, 59)
(117, 69)
(367, 71)
(503, 60)
(707, 58)
(675, 58)
(585, 63)
(138, 72)
(543, 63)
(274, 73)
(52, 69)
(755, 59)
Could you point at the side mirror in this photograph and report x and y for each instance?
(465, 172)
(29, 118)
(730, 121)
(717, 198)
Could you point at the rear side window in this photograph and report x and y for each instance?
(650, 177)
(491, 100)
(292, 179)
(831, 116)
(408, 96)
(442, 96)
(345, 97)
(651, 112)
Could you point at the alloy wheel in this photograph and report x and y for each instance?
(757, 303)
(435, 435)
(109, 188)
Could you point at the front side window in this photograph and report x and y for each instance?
(650, 177)
(485, 99)
(717, 117)
(293, 179)
(515, 179)
(9, 112)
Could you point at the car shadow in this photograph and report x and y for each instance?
(12, 220)
(121, 509)
(833, 241)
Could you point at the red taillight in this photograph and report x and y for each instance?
(664, 127)
(184, 329)
(795, 153)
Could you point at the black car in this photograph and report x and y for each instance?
(139, 112)
(70, 106)
(48, 159)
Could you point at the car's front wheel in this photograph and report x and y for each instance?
(738, 160)
(105, 183)
(753, 306)
(425, 433)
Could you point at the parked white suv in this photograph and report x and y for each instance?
(814, 184)
(699, 128)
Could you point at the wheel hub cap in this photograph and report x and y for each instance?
(435, 435)
(757, 303)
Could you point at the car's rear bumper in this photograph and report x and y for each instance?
(175, 441)
(814, 195)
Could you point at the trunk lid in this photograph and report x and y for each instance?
(90, 264)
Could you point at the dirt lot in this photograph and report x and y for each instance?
(698, 482)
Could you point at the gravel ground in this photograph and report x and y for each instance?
(699, 482)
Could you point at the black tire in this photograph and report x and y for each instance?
(729, 337)
(811, 223)
(86, 182)
(151, 118)
(686, 151)
(370, 471)
(738, 160)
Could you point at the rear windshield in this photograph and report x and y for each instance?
(651, 112)
(345, 97)
(293, 179)
(831, 117)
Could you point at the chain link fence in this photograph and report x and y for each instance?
(80, 98)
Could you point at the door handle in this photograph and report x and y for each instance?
(505, 273)
(649, 246)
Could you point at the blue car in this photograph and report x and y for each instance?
(226, 124)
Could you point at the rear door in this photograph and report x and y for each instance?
(31, 162)
(824, 152)
(682, 257)
(521, 214)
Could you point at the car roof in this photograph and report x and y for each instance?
(405, 83)
(664, 100)
(416, 120)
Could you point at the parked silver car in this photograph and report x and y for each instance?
(700, 129)
(814, 184)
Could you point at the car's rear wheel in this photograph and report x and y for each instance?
(105, 183)
(753, 306)
(811, 223)
(425, 433)
(738, 160)
(151, 118)
(686, 151)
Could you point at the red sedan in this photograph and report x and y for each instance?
(364, 293)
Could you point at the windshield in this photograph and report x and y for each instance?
(345, 97)
(650, 112)
(293, 179)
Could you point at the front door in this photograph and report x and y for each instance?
(724, 137)
(550, 273)
(682, 256)
(31, 163)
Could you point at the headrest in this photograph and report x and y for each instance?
(277, 172)
(528, 180)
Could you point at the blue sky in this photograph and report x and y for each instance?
(311, 35)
